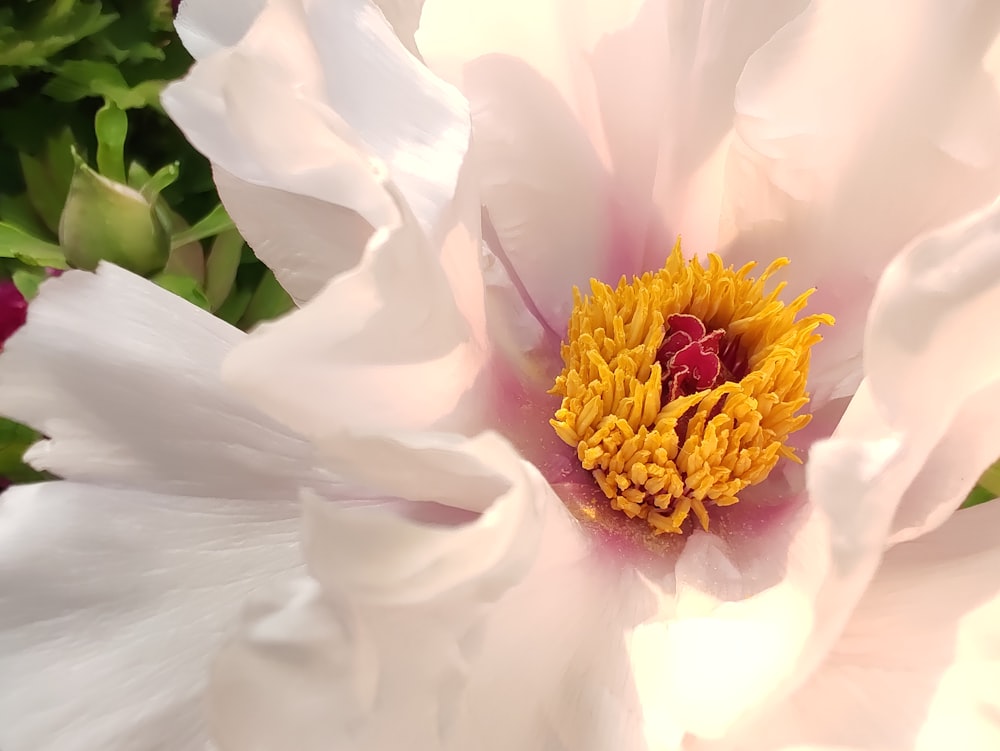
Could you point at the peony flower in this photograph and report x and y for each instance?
(477, 590)
(526, 584)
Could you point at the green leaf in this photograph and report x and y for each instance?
(59, 158)
(221, 265)
(991, 479)
(28, 280)
(14, 441)
(111, 128)
(28, 249)
(986, 489)
(35, 124)
(77, 79)
(978, 495)
(216, 222)
(232, 310)
(17, 211)
(45, 195)
(268, 302)
(47, 177)
(183, 286)
(136, 34)
(33, 40)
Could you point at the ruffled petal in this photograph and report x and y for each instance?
(859, 127)
(404, 16)
(586, 115)
(386, 346)
(916, 667)
(320, 101)
(757, 600)
(111, 604)
(305, 241)
(123, 378)
(932, 368)
(206, 26)
(418, 625)
(893, 469)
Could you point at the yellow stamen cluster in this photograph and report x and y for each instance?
(662, 462)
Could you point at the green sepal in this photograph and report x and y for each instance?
(163, 178)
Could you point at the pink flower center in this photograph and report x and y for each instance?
(695, 359)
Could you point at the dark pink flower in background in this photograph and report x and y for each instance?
(13, 310)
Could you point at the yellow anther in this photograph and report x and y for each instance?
(664, 461)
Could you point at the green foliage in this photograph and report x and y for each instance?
(986, 489)
(80, 117)
(183, 286)
(33, 33)
(64, 61)
(15, 439)
(29, 250)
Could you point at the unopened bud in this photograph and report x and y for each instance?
(104, 220)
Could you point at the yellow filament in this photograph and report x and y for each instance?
(647, 460)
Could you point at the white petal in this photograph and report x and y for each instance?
(917, 666)
(704, 47)
(756, 606)
(305, 241)
(861, 126)
(431, 634)
(548, 193)
(386, 346)
(404, 16)
(205, 26)
(931, 366)
(320, 100)
(111, 604)
(579, 108)
(912, 443)
(123, 377)
(894, 466)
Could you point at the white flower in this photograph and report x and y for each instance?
(835, 134)
(468, 609)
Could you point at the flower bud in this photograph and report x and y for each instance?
(106, 220)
